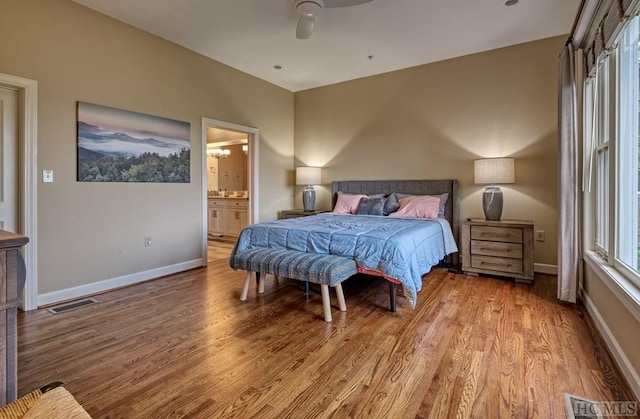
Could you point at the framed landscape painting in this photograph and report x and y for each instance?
(115, 145)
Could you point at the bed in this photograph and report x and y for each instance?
(398, 249)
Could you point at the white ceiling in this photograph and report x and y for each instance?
(255, 35)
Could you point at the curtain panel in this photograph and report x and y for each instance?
(568, 183)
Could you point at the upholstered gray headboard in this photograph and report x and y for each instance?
(413, 187)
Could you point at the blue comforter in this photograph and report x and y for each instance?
(400, 248)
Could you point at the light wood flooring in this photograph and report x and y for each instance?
(185, 346)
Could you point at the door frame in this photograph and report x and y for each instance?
(253, 137)
(28, 175)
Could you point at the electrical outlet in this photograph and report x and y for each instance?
(540, 235)
(147, 241)
(47, 176)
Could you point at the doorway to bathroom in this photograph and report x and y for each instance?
(230, 193)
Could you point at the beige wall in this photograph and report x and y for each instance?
(432, 121)
(89, 232)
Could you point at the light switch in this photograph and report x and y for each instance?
(47, 176)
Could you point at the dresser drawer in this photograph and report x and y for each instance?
(499, 249)
(497, 234)
(215, 203)
(237, 204)
(506, 265)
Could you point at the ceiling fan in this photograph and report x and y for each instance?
(310, 9)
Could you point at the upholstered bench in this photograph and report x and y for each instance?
(323, 269)
(52, 401)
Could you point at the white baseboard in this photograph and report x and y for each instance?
(112, 283)
(621, 359)
(543, 268)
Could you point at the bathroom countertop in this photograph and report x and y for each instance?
(227, 197)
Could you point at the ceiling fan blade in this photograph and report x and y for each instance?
(305, 27)
(344, 3)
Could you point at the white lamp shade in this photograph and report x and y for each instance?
(494, 171)
(308, 175)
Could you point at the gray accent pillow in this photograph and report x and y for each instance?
(371, 206)
(443, 203)
(391, 204)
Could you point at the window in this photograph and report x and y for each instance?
(612, 157)
(597, 110)
(627, 158)
(601, 130)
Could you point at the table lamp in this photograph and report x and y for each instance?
(308, 176)
(492, 172)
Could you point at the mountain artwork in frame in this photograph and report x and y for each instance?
(115, 145)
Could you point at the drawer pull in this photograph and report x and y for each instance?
(489, 249)
(495, 235)
(505, 265)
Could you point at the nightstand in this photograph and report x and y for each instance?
(295, 213)
(503, 248)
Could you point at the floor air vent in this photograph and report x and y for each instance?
(71, 306)
(581, 408)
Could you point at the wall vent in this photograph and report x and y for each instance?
(71, 306)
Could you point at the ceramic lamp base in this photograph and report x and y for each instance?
(492, 203)
(309, 198)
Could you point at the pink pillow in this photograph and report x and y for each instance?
(418, 206)
(347, 204)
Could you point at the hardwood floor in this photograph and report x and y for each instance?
(217, 250)
(185, 346)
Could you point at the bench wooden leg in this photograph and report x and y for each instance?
(261, 284)
(326, 303)
(341, 302)
(245, 287)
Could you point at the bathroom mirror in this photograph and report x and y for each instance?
(227, 169)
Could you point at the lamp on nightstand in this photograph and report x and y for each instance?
(308, 176)
(492, 172)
